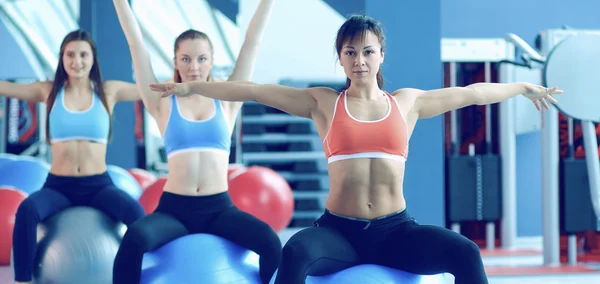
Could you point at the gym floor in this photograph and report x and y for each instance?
(523, 265)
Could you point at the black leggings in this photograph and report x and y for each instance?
(397, 240)
(179, 215)
(58, 193)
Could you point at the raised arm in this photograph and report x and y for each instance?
(35, 92)
(144, 75)
(299, 102)
(244, 67)
(436, 102)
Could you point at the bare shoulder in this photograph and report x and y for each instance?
(407, 99)
(407, 93)
(44, 88)
(322, 93)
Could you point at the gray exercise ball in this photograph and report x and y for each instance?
(77, 245)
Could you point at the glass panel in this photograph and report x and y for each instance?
(42, 25)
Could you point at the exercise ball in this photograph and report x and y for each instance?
(234, 170)
(77, 245)
(264, 194)
(10, 199)
(372, 274)
(200, 258)
(26, 173)
(124, 181)
(6, 158)
(151, 196)
(143, 177)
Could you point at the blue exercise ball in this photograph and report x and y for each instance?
(373, 274)
(124, 181)
(25, 173)
(7, 158)
(200, 258)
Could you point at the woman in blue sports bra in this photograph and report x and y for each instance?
(197, 135)
(79, 106)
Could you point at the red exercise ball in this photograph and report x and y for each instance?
(234, 170)
(264, 194)
(10, 199)
(143, 177)
(151, 195)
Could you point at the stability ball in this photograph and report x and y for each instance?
(143, 177)
(25, 173)
(264, 194)
(10, 199)
(234, 169)
(124, 181)
(373, 274)
(151, 195)
(77, 245)
(6, 158)
(200, 258)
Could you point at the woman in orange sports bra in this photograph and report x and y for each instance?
(366, 219)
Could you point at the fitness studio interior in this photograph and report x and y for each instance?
(267, 141)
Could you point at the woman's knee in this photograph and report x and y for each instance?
(271, 243)
(119, 205)
(136, 239)
(27, 212)
(296, 250)
(468, 249)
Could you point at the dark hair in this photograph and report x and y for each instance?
(60, 77)
(358, 26)
(191, 34)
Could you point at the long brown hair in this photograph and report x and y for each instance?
(358, 26)
(61, 76)
(191, 34)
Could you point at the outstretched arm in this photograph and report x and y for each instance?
(123, 91)
(299, 102)
(244, 67)
(144, 75)
(436, 102)
(35, 92)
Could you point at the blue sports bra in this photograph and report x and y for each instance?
(92, 124)
(182, 134)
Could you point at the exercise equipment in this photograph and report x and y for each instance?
(144, 178)
(480, 172)
(151, 196)
(234, 170)
(264, 194)
(572, 63)
(124, 181)
(372, 274)
(577, 212)
(10, 199)
(6, 158)
(25, 173)
(200, 258)
(77, 245)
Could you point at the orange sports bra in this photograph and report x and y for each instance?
(350, 138)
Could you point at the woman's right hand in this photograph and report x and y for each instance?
(167, 89)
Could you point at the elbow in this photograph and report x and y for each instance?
(475, 96)
(480, 98)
